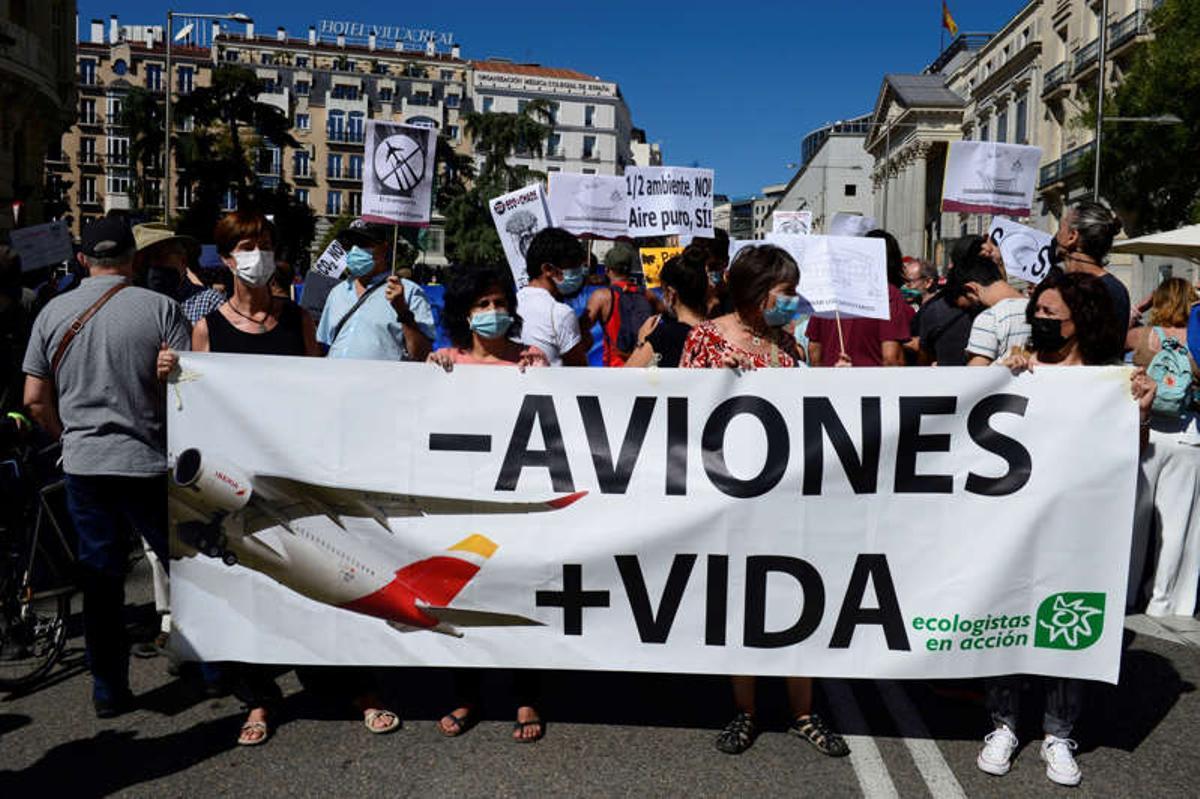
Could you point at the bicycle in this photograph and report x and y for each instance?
(37, 564)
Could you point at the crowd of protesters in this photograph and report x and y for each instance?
(86, 356)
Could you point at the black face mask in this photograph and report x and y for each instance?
(1046, 335)
(163, 279)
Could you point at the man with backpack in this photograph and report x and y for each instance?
(621, 308)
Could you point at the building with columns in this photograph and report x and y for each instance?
(834, 174)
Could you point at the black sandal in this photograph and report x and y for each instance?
(738, 735)
(520, 726)
(813, 729)
(458, 724)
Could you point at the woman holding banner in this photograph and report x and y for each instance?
(1073, 323)
(762, 289)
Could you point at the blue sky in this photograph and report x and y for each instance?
(733, 86)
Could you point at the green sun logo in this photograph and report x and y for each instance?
(1070, 621)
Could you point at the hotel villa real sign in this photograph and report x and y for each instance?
(357, 32)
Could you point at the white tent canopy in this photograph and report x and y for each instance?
(1181, 243)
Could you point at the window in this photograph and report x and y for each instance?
(589, 147)
(487, 105)
(87, 150)
(354, 130)
(117, 183)
(589, 116)
(268, 86)
(229, 200)
(553, 113)
(850, 190)
(265, 58)
(87, 111)
(333, 203)
(303, 122)
(1021, 135)
(983, 129)
(302, 61)
(385, 94)
(421, 98)
(231, 55)
(1025, 38)
(447, 74)
(120, 67)
(421, 122)
(87, 72)
(1002, 126)
(114, 108)
(183, 195)
(302, 196)
(185, 123)
(154, 77)
(522, 105)
(589, 171)
(356, 203)
(553, 169)
(335, 126)
(452, 132)
(118, 151)
(87, 189)
(187, 76)
(300, 163)
(554, 145)
(356, 170)
(344, 92)
(333, 166)
(154, 193)
(302, 88)
(453, 101)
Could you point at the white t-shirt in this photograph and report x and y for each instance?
(1000, 328)
(546, 323)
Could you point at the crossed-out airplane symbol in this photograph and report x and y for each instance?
(402, 171)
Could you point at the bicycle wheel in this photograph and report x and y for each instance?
(32, 635)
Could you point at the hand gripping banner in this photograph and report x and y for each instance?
(858, 523)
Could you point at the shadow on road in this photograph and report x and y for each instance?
(12, 721)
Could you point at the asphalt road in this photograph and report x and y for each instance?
(607, 735)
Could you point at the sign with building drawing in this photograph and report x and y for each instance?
(985, 177)
(844, 224)
(518, 216)
(844, 275)
(593, 206)
(798, 223)
(398, 173)
(1026, 251)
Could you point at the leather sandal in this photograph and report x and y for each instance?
(252, 727)
(373, 715)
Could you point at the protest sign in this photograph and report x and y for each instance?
(844, 275)
(398, 173)
(899, 524)
(653, 259)
(669, 200)
(518, 216)
(844, 224)
(1026, 251)
(737, 245)
(42, 245)
(595, 206)
(986, 177)
(797, 223)
(332, 262)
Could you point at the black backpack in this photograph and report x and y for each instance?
(633, 309)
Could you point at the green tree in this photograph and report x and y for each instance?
(1151, 173)
(144, 119)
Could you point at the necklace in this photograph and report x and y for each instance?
(262, 323)
(755, 338)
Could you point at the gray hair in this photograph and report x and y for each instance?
(1096, 225)
(929, 270)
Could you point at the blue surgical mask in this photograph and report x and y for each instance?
(714, 278)
(783, 311)
(491, 324)
(571, 282)
(360, 262)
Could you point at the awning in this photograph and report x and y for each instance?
(1181, 243)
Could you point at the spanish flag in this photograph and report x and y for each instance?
(948, 21)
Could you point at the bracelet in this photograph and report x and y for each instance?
(407, 319)
(1145, 423)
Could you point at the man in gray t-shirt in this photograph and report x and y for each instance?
(107, 401)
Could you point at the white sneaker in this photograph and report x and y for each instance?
(1060, 763)
(996, 755)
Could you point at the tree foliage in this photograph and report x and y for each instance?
(1151, 173)
(144, 118)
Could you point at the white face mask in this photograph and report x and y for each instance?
(254, 266)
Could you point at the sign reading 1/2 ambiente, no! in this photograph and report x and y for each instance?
(384, 34)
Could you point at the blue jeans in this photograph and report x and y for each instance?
(109, 513)
(1064, 701)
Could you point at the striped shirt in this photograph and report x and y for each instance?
(1000, 328)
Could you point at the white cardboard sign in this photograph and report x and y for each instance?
(518, 216)
(332, 262)
(669, 200)
(840, 274)
(986, 177)
(596, 206)
(42, 245)
(797, 223)
(844, 224)
(398, 173)
(1026, 251)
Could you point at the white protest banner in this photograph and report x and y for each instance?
(398, 173)
(518, 216)
(844, 224)
(332, 262)
(797, 223)
(985, 177)
(589, 205)
(42, 245)
(860, 523)
(1026, 251)
(844, 275)
(669, 200)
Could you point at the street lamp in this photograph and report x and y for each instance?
(232, 16)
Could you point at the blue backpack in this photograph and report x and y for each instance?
(1171, 369)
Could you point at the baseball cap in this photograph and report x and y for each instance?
(621, 257)
(107, 237)
(148, 234)
(364, 234)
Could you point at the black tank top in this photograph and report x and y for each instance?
(286, 338)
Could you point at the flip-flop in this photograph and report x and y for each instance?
(371, 716)
(460, 724)
(254, 726)
(520, 727)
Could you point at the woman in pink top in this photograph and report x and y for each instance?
(481, 318)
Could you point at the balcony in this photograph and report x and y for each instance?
(117, 159)
(1064, 167)
(89, 160)
(1126, 31)
(58, 162)
(353, 137)
(1054, 79)
(1085, 58)
(344, 176)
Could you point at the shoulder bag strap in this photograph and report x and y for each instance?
(78, 324)
(351, 312)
